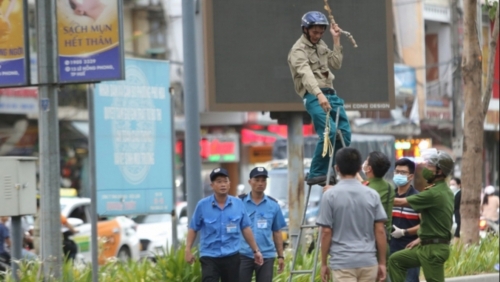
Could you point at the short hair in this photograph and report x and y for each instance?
(348, 160)
(457, 180)
(406, 162)
(379, 162)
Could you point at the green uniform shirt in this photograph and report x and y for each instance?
(435, 206)
(387, 194)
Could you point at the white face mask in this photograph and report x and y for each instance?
(454, 188)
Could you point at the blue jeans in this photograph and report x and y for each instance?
(319, 165)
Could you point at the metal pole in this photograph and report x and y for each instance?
(48, 132)
(17, 239)
(295, 175)
(175, 216)
(193, 159)
(92, 183)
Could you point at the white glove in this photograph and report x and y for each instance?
(398, 233)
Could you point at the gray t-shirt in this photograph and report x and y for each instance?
(351, 210)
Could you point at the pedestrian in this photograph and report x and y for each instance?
(267, 221)
(456, 188)
(221, 219)
(4, 240)
(490, 204)
(405, 220)
(375, 167)
(352, 218)
(435, 205)
(310, 61)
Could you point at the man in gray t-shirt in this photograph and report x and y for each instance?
(352, 219)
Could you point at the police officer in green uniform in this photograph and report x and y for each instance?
(375, 167)
(435, 205)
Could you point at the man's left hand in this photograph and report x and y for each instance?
(258, 258)
(335, 30)
(281, 265)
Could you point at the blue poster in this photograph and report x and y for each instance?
(89, 40)
(133, 140)
(13, 68)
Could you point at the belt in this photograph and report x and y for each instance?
(328, 91)
(434, 241)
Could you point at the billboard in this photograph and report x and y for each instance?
(90, 44)
(246, 45)
(13, 41)
(134, 141)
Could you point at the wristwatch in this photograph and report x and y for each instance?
(281, 257)
(406, 233)
(256, 251)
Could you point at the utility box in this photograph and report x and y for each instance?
(17, 186)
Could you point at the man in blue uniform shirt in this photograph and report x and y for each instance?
(266, 222)
(221, 219)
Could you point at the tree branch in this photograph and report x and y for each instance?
(491, 64)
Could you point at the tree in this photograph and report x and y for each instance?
(476, 105)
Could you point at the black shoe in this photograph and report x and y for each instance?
(321, 180)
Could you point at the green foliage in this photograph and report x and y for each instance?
(170, 266)
(491, 7)
(475, 259)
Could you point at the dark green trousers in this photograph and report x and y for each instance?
(430, 257)
(319, 165)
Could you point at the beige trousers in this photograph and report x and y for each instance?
(362, 274)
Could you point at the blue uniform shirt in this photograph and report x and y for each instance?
(220, 228)
(266, 218)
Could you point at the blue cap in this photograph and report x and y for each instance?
(218, 172)
(258, 171)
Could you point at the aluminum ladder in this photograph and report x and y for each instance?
(303, 224)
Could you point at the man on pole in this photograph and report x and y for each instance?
(310, 61)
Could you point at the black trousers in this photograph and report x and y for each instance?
(224, 269)
(263, 273)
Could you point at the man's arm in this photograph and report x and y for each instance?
(188, 256)
(413, 230)
(401, 202)
(278, 242)
(248, 235)
(381, 240)
(326, 241)
(190, 239)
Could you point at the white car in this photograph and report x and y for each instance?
(155, 231)
(117, 236)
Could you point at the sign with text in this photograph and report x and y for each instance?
(89, 40)
(134, 141)
(248, 71)
(13, 60)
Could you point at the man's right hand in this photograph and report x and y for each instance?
(323, 102)
(325, 273)
(189, 257)
(413, 243)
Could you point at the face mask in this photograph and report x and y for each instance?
(363, 168)
(428, 174)
(454, 188)
(400, 180)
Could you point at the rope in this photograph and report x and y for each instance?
(330, 16)
(327, 143)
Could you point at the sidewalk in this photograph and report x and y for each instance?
(492, 277)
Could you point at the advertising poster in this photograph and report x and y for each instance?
(134, 141)
(12, 44)
(89, 40)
